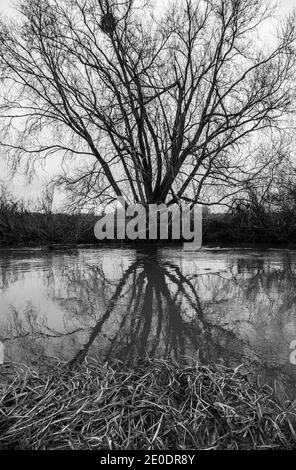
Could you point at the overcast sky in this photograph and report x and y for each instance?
(5, 5)
(34, 189)
(285, 5)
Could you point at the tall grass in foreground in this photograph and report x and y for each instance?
(156, 405)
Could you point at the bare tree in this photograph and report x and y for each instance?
(152, 105)
(45, 203)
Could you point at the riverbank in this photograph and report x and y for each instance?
(21, 226)
(33, 229)
(249, 224)
(156, 405)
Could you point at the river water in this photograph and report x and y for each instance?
(231, 306)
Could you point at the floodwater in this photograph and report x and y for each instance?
(231, 306)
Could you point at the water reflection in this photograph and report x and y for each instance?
(230, 306)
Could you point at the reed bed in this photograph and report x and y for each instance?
(157, 404)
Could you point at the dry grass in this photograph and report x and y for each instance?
(156, 405)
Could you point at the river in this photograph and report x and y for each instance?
(232, 306)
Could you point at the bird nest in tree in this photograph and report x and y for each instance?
(108, 23)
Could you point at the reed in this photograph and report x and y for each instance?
(155, 405)
(20, 225)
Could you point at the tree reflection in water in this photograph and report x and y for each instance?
(153, 306)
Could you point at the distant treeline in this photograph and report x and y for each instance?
(242, 225)
(245, 226)
(20, 226)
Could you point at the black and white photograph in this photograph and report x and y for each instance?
(147, 228)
